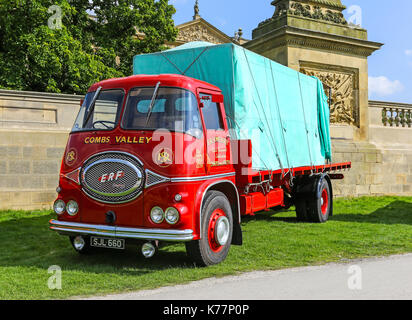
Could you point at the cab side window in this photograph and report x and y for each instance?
(211, 113)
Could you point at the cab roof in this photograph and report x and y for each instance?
(172, 80)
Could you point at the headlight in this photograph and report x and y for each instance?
(157, 215)
(72, 208)
(172, 215)
(59, 206)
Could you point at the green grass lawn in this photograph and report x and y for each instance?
(361, 227)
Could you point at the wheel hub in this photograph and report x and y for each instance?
(219, 229)
(222, 230)
(324, 202)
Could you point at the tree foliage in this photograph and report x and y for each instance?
(81, 50)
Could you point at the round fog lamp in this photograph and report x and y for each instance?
(79, 243)
(148, 250)
(172, 215)
(72, 208)
(157, 215)
(59, 206)
(178, 197)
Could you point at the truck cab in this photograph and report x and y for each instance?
(149, 161)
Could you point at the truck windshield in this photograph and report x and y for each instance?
(105, 114)
(174, 109)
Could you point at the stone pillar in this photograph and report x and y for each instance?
(313, 37)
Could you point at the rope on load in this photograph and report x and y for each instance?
(280, 120)
(271, 138)
(306, 124)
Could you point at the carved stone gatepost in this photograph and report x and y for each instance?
(313, 37)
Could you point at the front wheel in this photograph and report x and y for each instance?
(216, 231)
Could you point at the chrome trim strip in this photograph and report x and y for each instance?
(64, 227)
(111, 202)
(114, 151)
(149, 172)
(79, 169)
(203, 178)
(187, 179)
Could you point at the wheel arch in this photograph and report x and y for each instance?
(228, 188)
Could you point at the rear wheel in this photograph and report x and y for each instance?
(216, 231)
(301, 210)
(319, 209)
(309, 208)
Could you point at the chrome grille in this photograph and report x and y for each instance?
(154, 178)
(112, 177)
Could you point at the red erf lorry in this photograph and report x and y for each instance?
(123, 181)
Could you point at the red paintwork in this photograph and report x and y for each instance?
(142, 143)
(214, 246)
(325, 199)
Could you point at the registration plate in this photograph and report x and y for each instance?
(107, 243)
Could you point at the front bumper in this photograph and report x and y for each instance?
(74, 228)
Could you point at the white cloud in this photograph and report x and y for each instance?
(382, 86)
(408, 52)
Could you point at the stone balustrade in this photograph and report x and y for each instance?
(390, 123)
(392, 114)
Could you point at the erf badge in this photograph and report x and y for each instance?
(71, 157)
(164, 157)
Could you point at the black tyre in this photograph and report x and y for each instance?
(320, 209)
(301, 209)
(216, 231)
(81, 246)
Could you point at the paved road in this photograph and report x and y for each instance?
(379, 278)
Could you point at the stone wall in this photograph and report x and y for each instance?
(382, 166)
(33, 132)
(34, 128)
(376, 170)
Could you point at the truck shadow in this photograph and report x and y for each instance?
(28, 242)
(397, 212)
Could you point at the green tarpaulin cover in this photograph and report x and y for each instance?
(284, 113)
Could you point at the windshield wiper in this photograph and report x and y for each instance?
(156, 90)
(91, 107)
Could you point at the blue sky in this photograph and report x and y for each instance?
(390, 68)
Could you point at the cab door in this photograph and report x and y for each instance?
(217, 141)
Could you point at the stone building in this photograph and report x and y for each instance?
(199, 29)
(311, 36)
